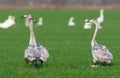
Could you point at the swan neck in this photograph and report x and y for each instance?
(101, 14)
(93, 42)
(32, 36)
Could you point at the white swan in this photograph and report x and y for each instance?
(40, 21)
(8, 23)
(87, 25)
(100, 53)
(34, 52)
(100, 19)
(71, 22)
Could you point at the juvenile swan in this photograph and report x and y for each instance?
(99, 52)
(34, 51)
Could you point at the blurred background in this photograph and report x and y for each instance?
(50, 4)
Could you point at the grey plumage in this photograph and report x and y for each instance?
(34, 52)
(99, 52)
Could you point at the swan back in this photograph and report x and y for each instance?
(101, 53)
(37, 53)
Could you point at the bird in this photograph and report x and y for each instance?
(40, 22)
(71, 22)
(8, 23)
(34, 52)
(100, 19)
(100, 52)
(87, 25)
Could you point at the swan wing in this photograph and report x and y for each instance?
(102, 53)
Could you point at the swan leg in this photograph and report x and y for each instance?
(109, 63)
(41, 61)
(26, 60)
(33, 63)
(94, 64)
(94, 60)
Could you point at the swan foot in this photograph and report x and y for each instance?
(94, 65)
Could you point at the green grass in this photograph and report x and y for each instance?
(69, 47)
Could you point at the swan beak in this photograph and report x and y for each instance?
(34, 21)
(91, 20)
(87, 20)
(22, 17)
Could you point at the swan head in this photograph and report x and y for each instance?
(13, 17)
(71, 18)
(92, 21)
(101, 10)
(10, 16)
(27, 16)
(86, 20)
(40, 18)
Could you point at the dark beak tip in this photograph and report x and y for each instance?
(22, 17)
(35, 21)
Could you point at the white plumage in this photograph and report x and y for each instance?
(71, 22)
(40, 21)
(8, 23)
(100, 19)
(99, 52)
(87, 25)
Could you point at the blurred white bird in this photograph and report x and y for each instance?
(8, 23)
(71, 22)
(100, 19)
(87, 25)
(40, 22)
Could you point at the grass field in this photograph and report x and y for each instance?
(69, 47)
